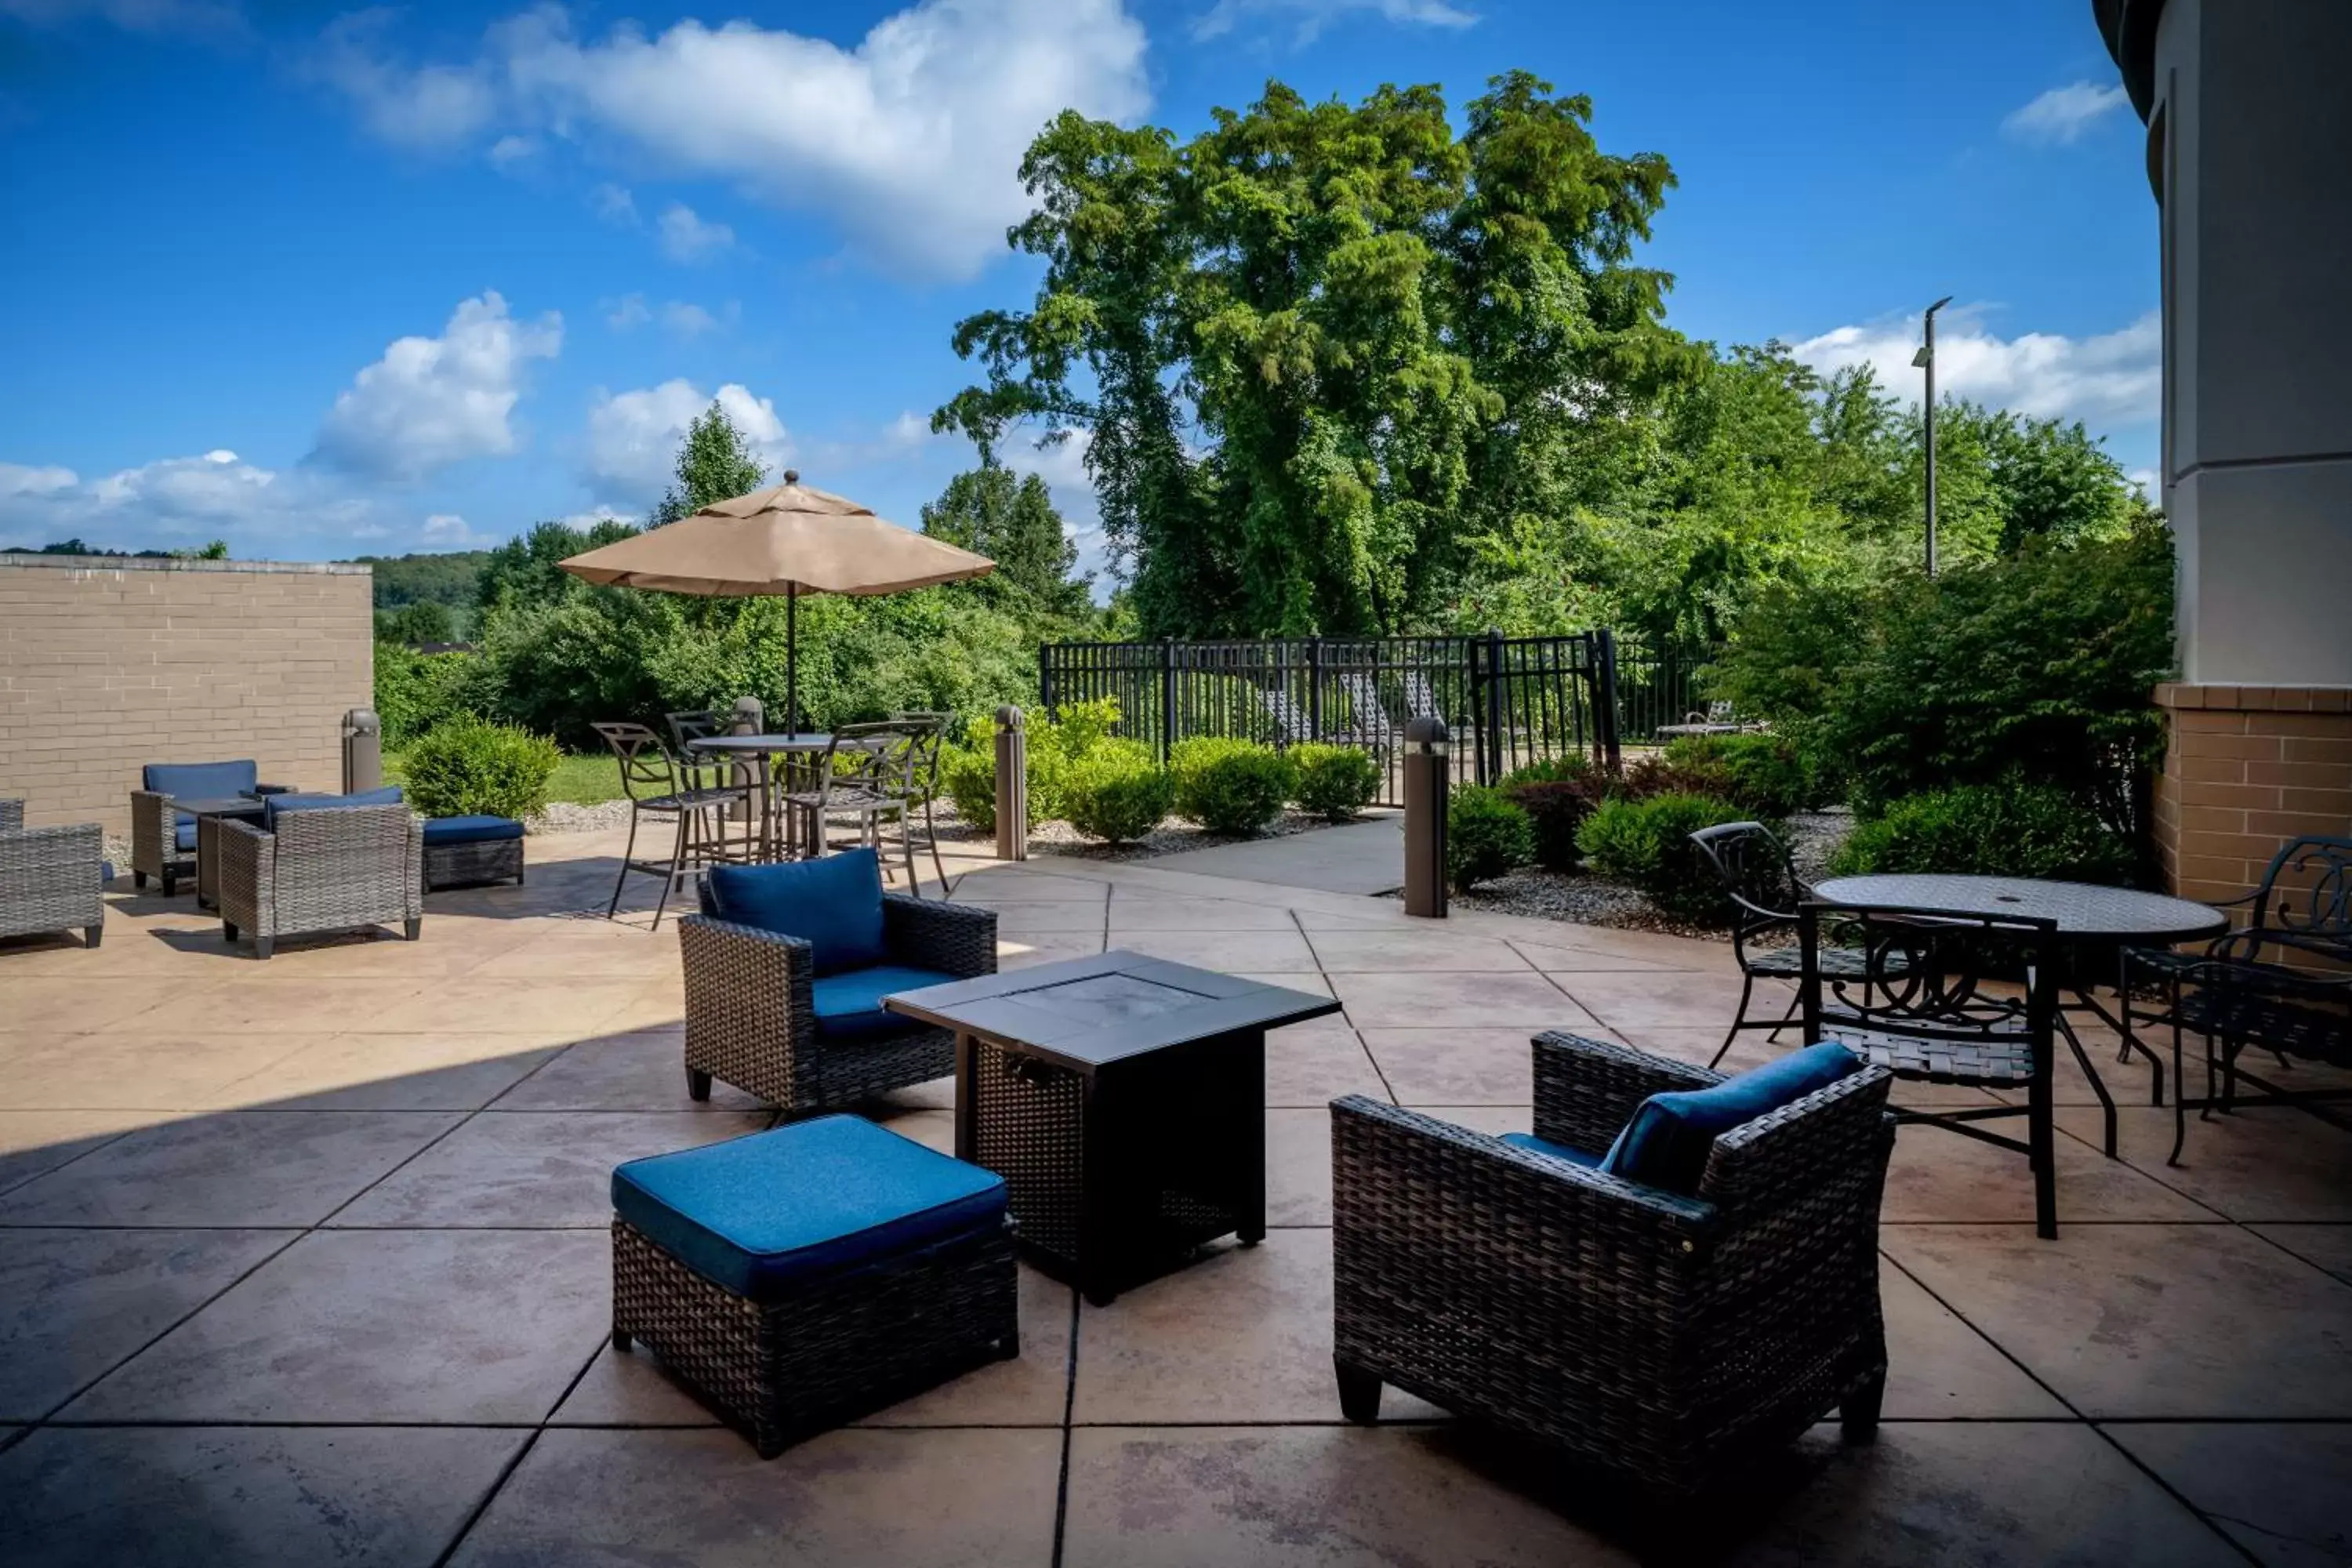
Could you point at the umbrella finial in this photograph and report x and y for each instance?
(791, 476)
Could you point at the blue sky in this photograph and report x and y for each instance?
(323, 282)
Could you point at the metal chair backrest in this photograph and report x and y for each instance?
(693, 724)
(1931, 975)
(2304, 900)
(878, 757)
(927, 734)
(646, 765)
(1756, 874)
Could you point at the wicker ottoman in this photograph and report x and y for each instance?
(807, 1275)
(460, 850)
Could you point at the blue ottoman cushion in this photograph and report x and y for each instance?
(1668, 1142)
(274, 806)
(834, 904)
(763, 1215)
(470, 830)
(848, 1007)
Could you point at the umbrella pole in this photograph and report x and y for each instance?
(792, 659)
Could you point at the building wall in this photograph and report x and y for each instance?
(2249, 768)
(106, 664)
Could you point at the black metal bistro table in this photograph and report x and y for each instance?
(1123, 1100)
(2089, 916)
(209, 814)
(761, 750)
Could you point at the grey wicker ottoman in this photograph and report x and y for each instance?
(804, 1277)
(460, 850)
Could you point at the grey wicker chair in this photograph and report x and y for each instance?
(1656, 1336)
(750, 1019)
(321, 871)
(50, 876)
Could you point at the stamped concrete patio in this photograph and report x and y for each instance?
(305, 1262)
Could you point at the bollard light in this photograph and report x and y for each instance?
(1011, 785)
(1427, 768)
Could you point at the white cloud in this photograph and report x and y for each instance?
(909, 142)
(2063, 114)
(687, 319)
(2115, 378)
(632, 437)
(175, 501)
(431, 401)
(449, 531)
(425, 108)
(1314, 15)
(684, 316)
(685, 238)
(509, 151)
(614, 204)
(626, 313)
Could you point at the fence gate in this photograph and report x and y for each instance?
(1508, 701)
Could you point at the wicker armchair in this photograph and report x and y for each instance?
(50, 876)
(750, 1018)
(1653, 1335)
(321, 871)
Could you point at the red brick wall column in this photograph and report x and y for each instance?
(2248, 767)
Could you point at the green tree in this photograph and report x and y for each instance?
(1323, 350)
(1013, 522)
(425, 621)
(525, 568)
(715, 463)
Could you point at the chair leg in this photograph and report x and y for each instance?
(621, 1338)
(89, 935)
(2179, 1100)
(698, 1084)
(1858, 1412)
(931, 832)
(228, 933)
(2044, 1145)
(677, 861)
(171, 884)
(413, 928)
(1738, 1016)
(138, 879)
(2106, 1102)
(1360, 1394)
(263, 946)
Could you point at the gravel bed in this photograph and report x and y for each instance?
(1173, 837)
(568, 816)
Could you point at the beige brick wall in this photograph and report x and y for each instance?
(2248, 769)
(106, 664)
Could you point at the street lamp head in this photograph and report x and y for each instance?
(1939, 304)
(1924, 358)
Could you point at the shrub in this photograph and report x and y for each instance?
(1557, 794)
(2009, 829)
(415, 691)
(1334, 781)
(1055, 745)
(1117, 792)
(1646, 778)
(967, 777)
(466, 766)
(1766, 773)
(1647, 843)
(1230, 786)
(1486, 836)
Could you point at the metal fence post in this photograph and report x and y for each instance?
(1315, 687)
(1167, 698)
(1011, 785)
(1489, 771)
(1605, 698)
(1045, 678)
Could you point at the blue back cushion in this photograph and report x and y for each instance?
(758, 1214)
(277, 806)
(1667, 1142)
(834, 904)
(200, 781)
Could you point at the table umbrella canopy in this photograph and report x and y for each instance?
(783, 542)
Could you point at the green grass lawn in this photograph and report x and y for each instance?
(581, 780)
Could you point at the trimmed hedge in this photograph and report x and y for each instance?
(1647, 843)
(1767, 774)
(1335, 783)
(465, 766)
(1486, 836)
(1557, 797)
(2006, 829)
(1118, 792)
(1231, 787)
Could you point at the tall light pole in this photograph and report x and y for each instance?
(1926, 360)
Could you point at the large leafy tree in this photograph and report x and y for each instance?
(1321, 350)
(714, 463)
(1013, 522)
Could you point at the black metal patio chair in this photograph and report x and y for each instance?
(659, 786)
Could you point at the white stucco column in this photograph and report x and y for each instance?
(2250, 112)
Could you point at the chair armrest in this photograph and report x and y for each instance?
(932, 934)
(23, 849)
(153, 831)
(1587, 1089)
(12, 816)
(1827, 1150)
(743, 986)
(257, 791)
(245, 876)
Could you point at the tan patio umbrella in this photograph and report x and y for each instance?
(785, 541)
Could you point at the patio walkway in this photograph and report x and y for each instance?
(305, 1262)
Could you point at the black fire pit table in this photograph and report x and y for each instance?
(1123, 1100)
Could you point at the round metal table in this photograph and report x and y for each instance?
(2117, 918)
(759, 749)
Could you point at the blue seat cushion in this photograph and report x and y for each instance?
(470, 830)
(833, 904)
(1529, 1141)
(201, 781)
(761, 1215)
(848, 1005)
(1668, 1142)
(277, 806)
(183, 836)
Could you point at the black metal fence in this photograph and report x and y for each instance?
(1508, 701)
(1658, 684)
